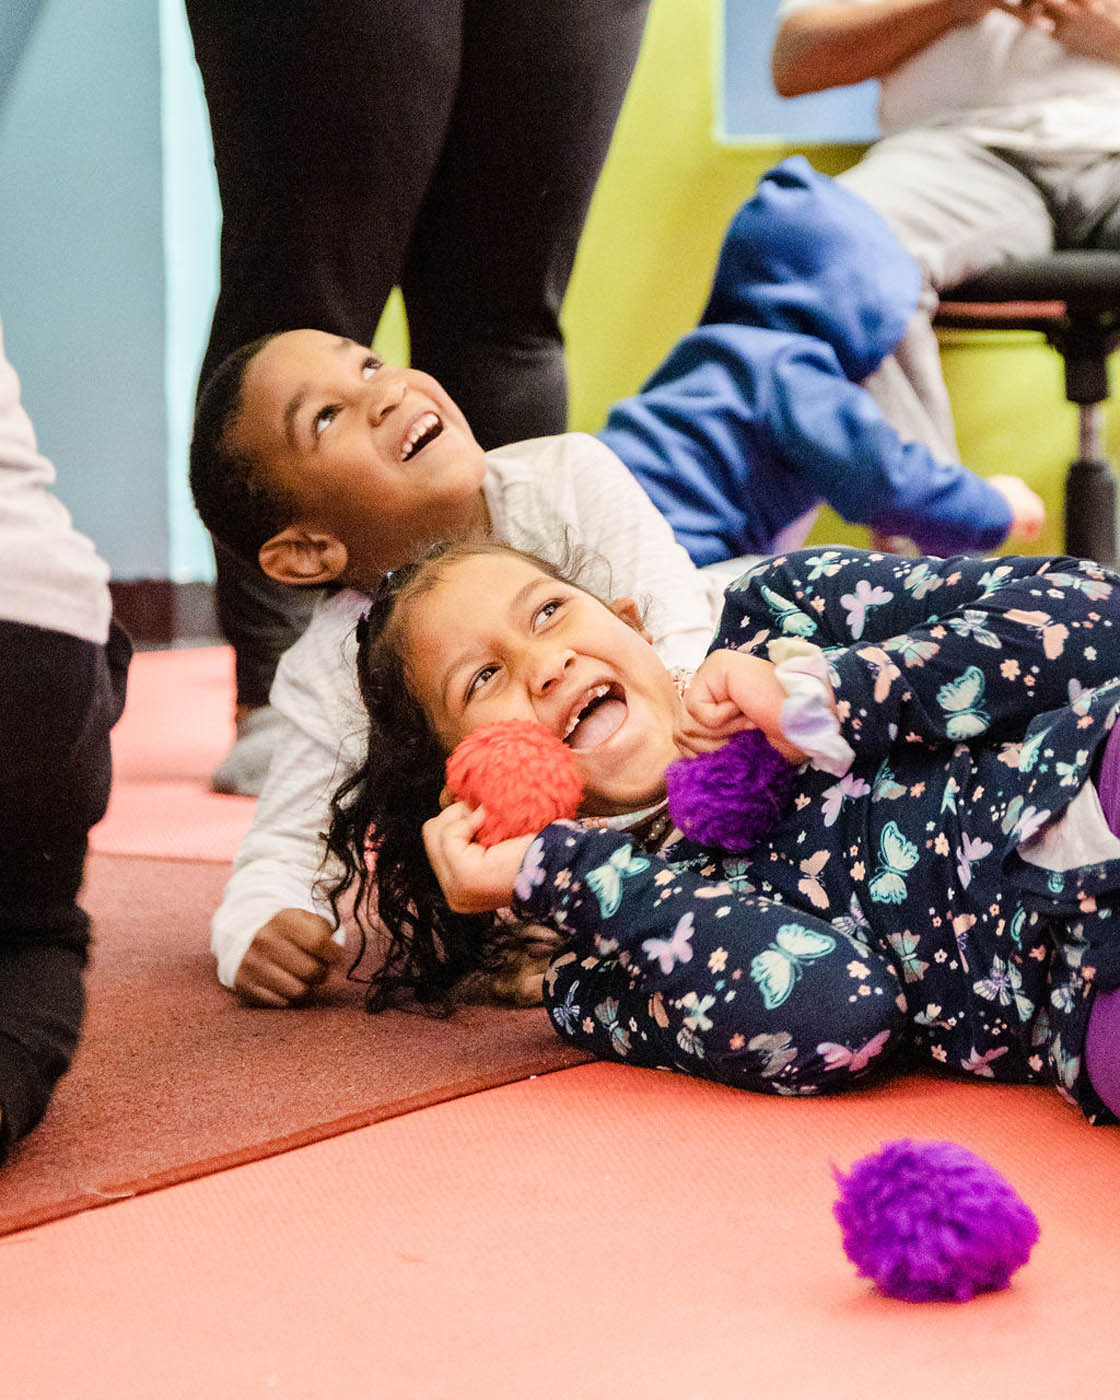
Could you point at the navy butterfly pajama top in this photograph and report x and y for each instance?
(889, 918)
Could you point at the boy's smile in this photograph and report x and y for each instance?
(376, 456)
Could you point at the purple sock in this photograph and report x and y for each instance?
(1102, 1048)
(1108, 780)
(1102, 1039)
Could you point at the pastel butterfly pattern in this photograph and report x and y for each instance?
(905, 944)
(922, 580)
(961, 702)
(777, 969)
(532, 870)
(1004, 984)
(994, 579)
(605, 881)
(825, 565)
(971, 624)
(854, 1061)
(777, 1051)
(1096, 590)
(790, 617)
(897, 857)
(971, 849)
(1067, 1067)
(885, 788)
(982, 1064)
(833, 797)
(566, 1013)
(855, 604)
(961, 925)
(606, 1013)
(913, 651)
(1053, 633)
(1072, 774)
(809, 885)
(668, 952)
(854, 924)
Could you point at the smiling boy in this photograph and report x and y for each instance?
(330, 468)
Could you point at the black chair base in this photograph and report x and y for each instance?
(1073, 298)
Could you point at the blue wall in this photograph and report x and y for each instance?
(752, 110)
(82, 265)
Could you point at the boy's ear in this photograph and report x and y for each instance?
(630, 613)
(303, 557)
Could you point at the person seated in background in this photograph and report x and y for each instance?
(1001, 141)
(325, 466)
(64, 669)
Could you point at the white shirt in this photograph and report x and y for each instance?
(540, 494)
(52, 575)
(1005, 84)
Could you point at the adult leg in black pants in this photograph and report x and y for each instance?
(61, 696)
(447, 146)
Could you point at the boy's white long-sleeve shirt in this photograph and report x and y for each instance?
(540, 494)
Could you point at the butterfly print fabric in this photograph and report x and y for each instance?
(889, 918)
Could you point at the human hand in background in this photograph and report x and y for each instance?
(1028, 514)
(288, 958)
(1090, 28)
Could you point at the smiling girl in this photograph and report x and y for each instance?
(944, 888)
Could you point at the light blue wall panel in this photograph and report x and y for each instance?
(82, 269)
(752, 110)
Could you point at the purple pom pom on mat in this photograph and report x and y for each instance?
(731, 796)
(930, 1221)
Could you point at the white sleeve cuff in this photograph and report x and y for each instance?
(807, 719)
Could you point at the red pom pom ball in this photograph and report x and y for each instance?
(521, 773)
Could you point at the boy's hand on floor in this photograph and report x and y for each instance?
(288, 957)
(1028, 514)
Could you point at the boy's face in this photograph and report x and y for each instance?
(377, 457)
(497, 639)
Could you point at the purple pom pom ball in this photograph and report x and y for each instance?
(930, 1221)
(730, 797)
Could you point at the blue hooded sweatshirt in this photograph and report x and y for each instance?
(757, 416)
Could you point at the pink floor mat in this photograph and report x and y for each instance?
(604, 1230)
(175, 729)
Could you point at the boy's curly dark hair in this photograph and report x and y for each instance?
(377, 814)
(235, 496)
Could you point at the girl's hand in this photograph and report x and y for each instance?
(475, 879)
(734, 690)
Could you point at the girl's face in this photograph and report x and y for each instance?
(497, 639)
(377, 456)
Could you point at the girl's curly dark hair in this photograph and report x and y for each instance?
(377, 814)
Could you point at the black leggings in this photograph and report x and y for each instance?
(447, 146)
(59, 699)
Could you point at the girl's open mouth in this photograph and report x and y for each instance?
(598, 716)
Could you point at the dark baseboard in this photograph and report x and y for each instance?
(158, 613)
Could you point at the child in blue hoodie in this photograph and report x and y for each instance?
(757, 416)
